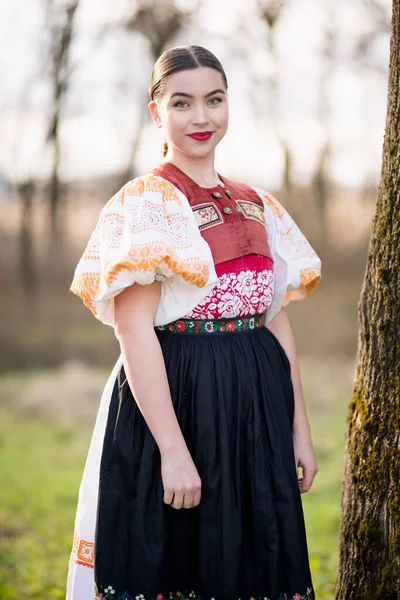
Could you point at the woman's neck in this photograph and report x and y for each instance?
(201, 170)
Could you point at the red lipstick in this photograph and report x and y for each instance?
(201, 136)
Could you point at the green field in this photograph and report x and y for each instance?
(42, 461)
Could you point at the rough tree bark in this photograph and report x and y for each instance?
(369, 553)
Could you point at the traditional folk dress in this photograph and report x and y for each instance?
(229, 257)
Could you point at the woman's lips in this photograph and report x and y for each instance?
(201, 136)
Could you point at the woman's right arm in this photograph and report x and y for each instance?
(135, 310)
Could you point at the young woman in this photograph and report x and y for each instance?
(191, 487)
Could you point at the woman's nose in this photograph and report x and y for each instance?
(200, 115)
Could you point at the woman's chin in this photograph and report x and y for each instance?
(200, 152)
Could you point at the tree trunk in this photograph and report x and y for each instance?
(369, 553)
(130, 171)
(26, 191)
(270, 12)
(320, 184)
(61, 19)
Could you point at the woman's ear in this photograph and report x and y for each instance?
(155, 113)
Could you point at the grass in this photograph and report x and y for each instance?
(40, 469)
(41, 466)
(322, 504)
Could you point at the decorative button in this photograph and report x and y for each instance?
(217, 195)
(227, 210)
(228, 193)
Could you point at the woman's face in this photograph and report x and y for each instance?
(193, 101)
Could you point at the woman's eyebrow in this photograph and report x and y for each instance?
(218, 91)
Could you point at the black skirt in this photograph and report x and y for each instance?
(233, 397)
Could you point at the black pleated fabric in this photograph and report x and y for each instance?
(233, 397)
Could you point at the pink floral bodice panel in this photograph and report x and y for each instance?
(245, 287)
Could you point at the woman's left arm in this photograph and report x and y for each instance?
(303, 447)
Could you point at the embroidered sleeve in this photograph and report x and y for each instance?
(143, 234)
(297, 267)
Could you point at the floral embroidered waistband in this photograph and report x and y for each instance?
(213, 325)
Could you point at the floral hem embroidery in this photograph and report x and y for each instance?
(213, 325)
(109, 594)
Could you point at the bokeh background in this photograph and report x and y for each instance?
(307, 89)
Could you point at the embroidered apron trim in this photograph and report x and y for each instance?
(213, 325)
(109, 593)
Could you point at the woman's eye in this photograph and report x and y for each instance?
(217, 100)
(183, 104)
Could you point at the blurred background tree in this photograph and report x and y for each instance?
(60, 20)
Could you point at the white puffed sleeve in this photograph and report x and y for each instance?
(145, 232)
(297, 268)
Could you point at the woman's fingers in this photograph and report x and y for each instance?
(168, 496)
(181, 480)
(309, 473)
(178, 500)
(192, 498)
(182, 500)
(196, 497)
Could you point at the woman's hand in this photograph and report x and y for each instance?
(305, 458)
(181, 481)
(143, 360)
(303, 448)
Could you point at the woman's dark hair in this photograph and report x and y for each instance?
(181, 58)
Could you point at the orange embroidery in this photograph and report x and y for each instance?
(146, 257)
(167, 189)
(153, 184)
(138, 186)
(294, 239)
(75, 544)
(134, 187)
(86, 285)
(290, 230)
(84, 552)
(309, 279)
(133, 238)
(274, 204)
